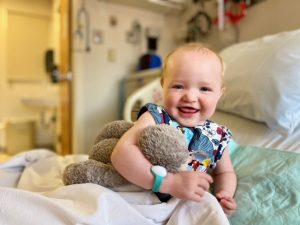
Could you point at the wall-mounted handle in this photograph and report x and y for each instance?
(53, 70)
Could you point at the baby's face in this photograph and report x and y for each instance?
(192, 86)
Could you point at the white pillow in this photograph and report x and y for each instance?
(262, 80)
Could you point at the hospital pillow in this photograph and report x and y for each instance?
(262, 80)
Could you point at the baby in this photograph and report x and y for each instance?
(192, 81)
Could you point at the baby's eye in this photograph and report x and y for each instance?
(177, 86)
(205, 89)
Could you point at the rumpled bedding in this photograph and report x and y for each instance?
(32, 193)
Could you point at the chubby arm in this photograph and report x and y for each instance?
(129, 160)
(225, 183)
(131, 164)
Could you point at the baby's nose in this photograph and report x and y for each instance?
(190, 96)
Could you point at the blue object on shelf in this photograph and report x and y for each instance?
(149, 61)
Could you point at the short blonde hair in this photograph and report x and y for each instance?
(194, 46)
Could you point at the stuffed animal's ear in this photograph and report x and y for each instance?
(113, 129)
(164, 145)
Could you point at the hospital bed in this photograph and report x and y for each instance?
(261, 105)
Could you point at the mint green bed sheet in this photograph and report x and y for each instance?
(268, 191)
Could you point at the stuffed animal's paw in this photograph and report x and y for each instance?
(92, 171)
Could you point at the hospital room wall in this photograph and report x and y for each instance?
(270, 17)
(263, 18)
(99, 72)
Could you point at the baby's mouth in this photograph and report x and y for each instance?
(188, 110)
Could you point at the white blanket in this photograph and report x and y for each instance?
(32, 192)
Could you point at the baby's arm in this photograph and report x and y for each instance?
(225, 183)
(131, 164)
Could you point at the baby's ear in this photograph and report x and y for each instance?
(221, 92)
(223, 89)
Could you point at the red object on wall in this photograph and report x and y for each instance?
(234, 16)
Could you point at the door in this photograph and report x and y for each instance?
(28, 30)
(65, 85)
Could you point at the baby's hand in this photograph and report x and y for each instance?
(187, 185)
(227, 202)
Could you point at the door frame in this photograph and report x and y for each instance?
(65, 86)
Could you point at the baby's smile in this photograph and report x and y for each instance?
(188, 110)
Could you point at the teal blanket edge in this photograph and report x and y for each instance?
(268, 189)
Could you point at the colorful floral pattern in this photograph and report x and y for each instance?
(207, 142)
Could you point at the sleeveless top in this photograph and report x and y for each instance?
(206, 143)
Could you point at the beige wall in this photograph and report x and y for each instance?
(269, 17)
(266, 17)
(96, 78)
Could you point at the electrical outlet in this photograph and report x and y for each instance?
(111, 55)
(97, 36)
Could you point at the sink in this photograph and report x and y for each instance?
(40, 102)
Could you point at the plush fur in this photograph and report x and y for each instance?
(161, 144)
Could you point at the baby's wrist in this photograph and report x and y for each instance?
(223, 194)
(167, 184)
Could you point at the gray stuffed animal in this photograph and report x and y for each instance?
(161, 144)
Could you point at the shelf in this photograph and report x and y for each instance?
(159, 6)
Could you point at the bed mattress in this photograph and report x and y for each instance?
(249, 132)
